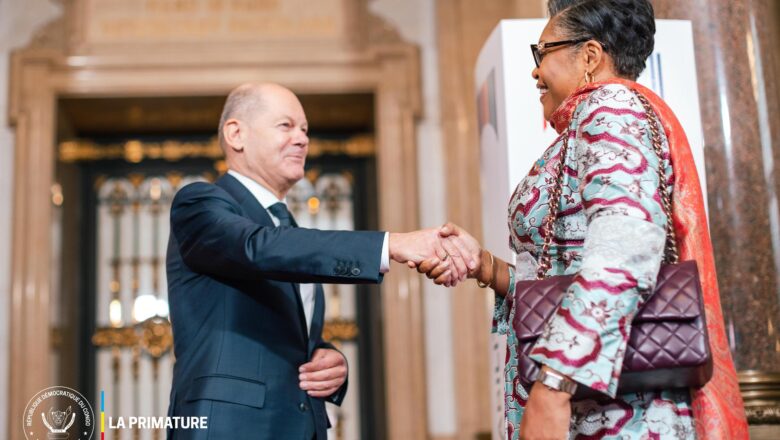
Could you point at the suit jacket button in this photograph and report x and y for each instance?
(355, 271)
(302, 407)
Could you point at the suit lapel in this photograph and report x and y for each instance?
(301, 315)
(248, 202)
(318, 316)
(255, 211)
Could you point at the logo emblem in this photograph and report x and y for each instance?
(59, 413)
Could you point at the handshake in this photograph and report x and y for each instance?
(446, 255)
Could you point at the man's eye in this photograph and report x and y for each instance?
(285, 125)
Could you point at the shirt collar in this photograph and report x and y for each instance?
(264, 196)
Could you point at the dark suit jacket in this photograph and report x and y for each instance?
(238, 324)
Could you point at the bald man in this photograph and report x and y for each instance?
(247, 313)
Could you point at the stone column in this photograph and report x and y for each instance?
(736, 65)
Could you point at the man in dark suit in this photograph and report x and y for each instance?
(247, 317)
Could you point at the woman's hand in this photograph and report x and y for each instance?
(460, 246)
(547, 414)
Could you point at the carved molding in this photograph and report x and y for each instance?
(763, 415)
(87, 23)
(381, 32)
(136, 151)
(340, 330)
(153, 336)
(761, 393)
(52, 35)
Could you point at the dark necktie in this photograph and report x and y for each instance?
(279, 210)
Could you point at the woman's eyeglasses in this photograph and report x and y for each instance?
(538, 50)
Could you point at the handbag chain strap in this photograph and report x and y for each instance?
(672, 254)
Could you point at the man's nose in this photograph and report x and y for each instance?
(301, 139)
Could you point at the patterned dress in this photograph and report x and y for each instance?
(610, 232)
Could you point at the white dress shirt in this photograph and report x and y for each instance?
(266, 198)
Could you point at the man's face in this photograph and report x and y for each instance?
(276, 142)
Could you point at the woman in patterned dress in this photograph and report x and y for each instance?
(610, 232)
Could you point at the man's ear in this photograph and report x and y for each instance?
(234, 134)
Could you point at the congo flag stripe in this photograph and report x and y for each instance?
(102, 416)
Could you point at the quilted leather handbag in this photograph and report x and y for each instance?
(668, 346)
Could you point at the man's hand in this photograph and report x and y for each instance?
(547, 414)
(324, 374)
(415, 247)
(461, 246)
(457, 242)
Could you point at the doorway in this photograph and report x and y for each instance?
(119, 163)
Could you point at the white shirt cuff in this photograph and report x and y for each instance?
(384, 265)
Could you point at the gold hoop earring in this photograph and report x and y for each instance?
(588, 77)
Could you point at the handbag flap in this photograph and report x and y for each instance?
(677, 298)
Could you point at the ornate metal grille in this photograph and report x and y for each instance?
(133, 336)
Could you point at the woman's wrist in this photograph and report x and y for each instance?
(485, 274)
(558, 382)
(493, 272)
(555, 396)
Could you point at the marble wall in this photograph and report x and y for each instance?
(736, 65)
(19, 19)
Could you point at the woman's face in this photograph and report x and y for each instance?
(561, 71)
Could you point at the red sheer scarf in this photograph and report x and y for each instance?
(718, 408)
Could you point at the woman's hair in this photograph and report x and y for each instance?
(625, 28)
